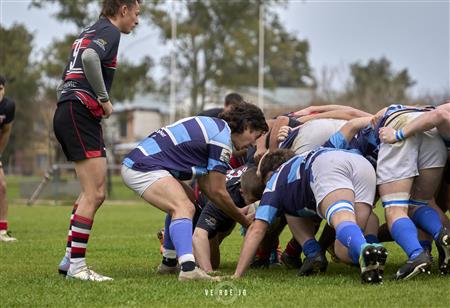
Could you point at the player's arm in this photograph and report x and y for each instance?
(261, 142)
(439, 118)
(347, 113)
(253, 238)
(352, 127)
(320, 109)
(92, 68)
(213, 185)
(4, 136)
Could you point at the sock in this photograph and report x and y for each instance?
(167, 244)
(69, 234)
(371, 238)
(426, 245)
(3, 225)
(181, 234)
(350, 235)
(311, 248)
(404, 233)
(81, 228)
(293, 248)
(427, 219)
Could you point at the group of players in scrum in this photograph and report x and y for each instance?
(322, 163)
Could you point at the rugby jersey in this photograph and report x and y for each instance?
(188, 149)
(104, 38)
(288, 189)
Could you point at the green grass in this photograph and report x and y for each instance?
(124, 246)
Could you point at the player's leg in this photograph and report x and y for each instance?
(65, 262)
(4, 236)
(167, 194)
(303, 229)
(92, 176)
(202, 249)
(426, 217)
(371, 229)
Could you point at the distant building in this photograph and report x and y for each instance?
(134, 120)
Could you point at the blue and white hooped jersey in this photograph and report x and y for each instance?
(288, 189)
(188, 149)
(365, 143)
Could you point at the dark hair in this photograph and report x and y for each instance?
(233, 99)
(245, 115)
(273, 161)
(2, 80)
(252, 183)
(111, 7)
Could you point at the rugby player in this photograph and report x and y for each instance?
(83, 100)
(195, 147)
(7, 112)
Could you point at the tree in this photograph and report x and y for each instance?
(217, 46)
(22, 84)
(376, 85)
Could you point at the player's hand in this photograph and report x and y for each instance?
(107, 109)
(244, 210)
(283, 133)
(374, 120)
(387, 135)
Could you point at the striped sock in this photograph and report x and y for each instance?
(3, 225)
(81, 228)
(69, 234)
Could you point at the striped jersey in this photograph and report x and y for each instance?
(188, 149)
(104, 38)
(288, 189)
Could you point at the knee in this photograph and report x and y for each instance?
(182, 209)
(199, 235)
(96, 198)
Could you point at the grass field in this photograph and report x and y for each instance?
(124, 245)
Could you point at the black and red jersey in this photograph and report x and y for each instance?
(7, 111)
(104, 38)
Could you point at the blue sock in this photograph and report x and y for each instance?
(350, 235)
(371, 238)
(426, 245)
(181, 234)
(427, 219)
(311, 248)
(167, 244)
(404, 232)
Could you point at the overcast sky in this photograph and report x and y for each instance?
(411, 34)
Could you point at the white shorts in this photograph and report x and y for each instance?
(343, 170)
(314, 134)
(403, 160)
(140, 181)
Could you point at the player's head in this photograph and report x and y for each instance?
(272, 161)
(232, 100)
(247, 123)
(125, 13)
(251, 186)
(2, 87)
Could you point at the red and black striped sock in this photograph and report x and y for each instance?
(69, 234)
(81, 228)
(3, 225)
